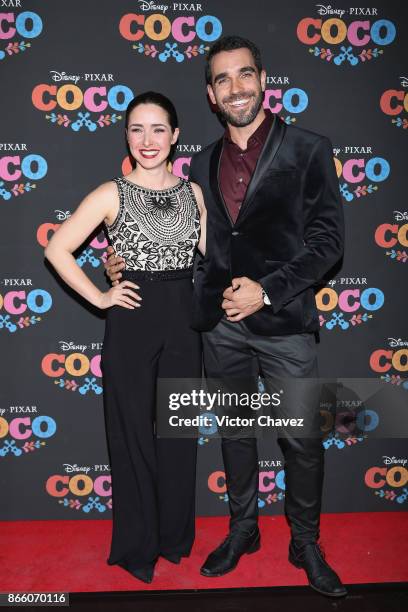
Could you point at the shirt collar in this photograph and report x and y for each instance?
(260, 134)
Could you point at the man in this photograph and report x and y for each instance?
(275, 227)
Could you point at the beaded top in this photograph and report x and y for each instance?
(155, 229)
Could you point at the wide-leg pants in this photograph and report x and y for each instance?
(153, 478)
(232, 351)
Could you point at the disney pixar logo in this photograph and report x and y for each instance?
(21, 308)
(352, 41)
(76, 367)
(176, 36)
(360, 173)
(97, 105)
(394, 103)
(343, 308)
(284, 97)
(17, 26)
(393, 237)
(19, 170)
(346, 422)
(82, 487)
(23, 430)
(392, 362)
(389, 483)
(271, 483)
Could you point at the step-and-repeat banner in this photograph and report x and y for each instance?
(68, 70)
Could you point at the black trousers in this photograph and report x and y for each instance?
(232, 351)
(153, 479)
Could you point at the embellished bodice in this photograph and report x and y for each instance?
(155, 229)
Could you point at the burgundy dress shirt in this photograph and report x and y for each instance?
(237, 166)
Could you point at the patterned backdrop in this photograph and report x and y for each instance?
(68, 70)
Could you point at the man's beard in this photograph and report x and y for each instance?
(244, 117)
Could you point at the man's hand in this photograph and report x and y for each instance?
(113, 265)
(243, 298)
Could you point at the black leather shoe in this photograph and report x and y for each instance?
(145, 573)
(225, 558)
(322, 578)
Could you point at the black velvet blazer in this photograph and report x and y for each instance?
(289, 232)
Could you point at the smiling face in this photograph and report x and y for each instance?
(236, 86)
(149, 135)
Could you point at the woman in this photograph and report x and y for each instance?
(153, 220)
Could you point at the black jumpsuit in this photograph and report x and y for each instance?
(153, 478)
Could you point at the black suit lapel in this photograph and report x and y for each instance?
(269, 150)
(214, 178)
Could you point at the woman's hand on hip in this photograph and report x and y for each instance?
(121, 295)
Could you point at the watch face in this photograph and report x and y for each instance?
(265, 298)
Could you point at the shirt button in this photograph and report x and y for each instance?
(240, 179)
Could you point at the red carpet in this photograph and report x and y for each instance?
(71, 555)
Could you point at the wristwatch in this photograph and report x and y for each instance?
(265, 298)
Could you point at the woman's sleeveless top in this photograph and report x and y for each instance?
(155, 230)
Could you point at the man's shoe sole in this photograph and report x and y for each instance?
(252, 549)
(300, 566)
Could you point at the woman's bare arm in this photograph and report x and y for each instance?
(94, 208)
